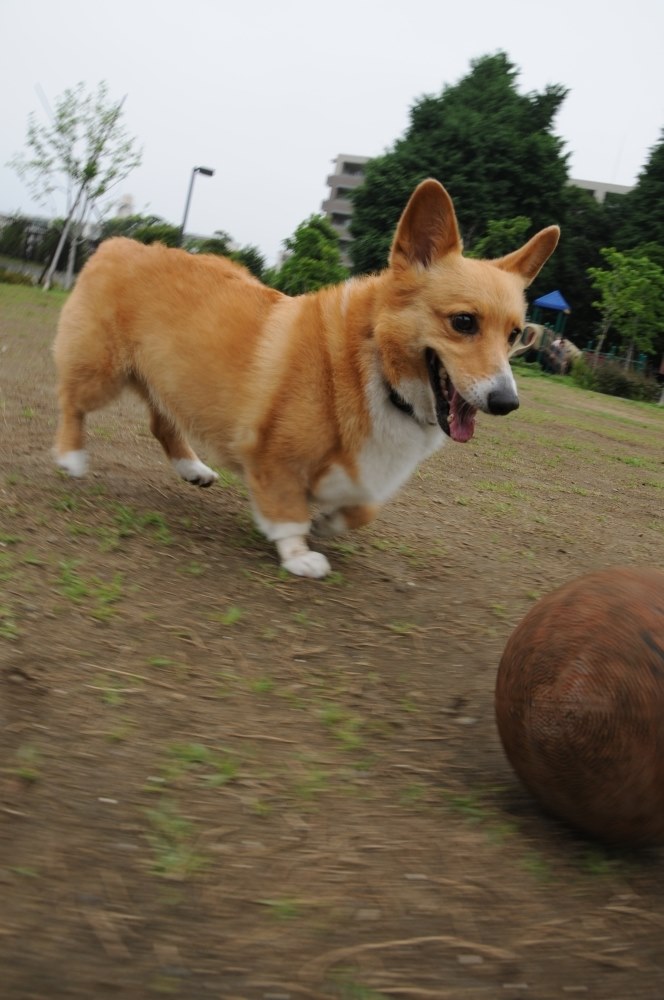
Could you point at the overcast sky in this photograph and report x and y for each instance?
(268, 92)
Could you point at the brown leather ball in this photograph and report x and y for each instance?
(580, 704)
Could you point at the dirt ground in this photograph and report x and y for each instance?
(220, 782)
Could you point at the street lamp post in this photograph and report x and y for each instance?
(207, 172)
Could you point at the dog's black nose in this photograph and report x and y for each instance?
(502, 401)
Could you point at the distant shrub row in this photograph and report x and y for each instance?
(14, 277)
(613, 379)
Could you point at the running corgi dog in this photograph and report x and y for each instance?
(326, 402)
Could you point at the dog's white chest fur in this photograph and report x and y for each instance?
(397, 445)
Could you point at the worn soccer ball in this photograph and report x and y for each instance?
(580, 704)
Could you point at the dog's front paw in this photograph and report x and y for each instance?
(75, 463)
(311, 564)
(193, 471)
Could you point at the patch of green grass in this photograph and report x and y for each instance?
(508, 489)
(130, 522)
(111, 693)
(598, 862)
(8, 627)
(261, 685)
(349, 989)
(121, 732)
(190, 753)
(638, 462)
(172, 840)
(193, 568)
(24, 872)
(31, 559)
(231, 616)
(344, 726)
(310, 784)
(470, 805)
(214, 767)
(393, 545)
(70, 583)
(538, 866)
(413, 793)
(101, 594)
(67, 502)
(161, 661)
(27, 764)
(6, 566)
(402, 628)
(229, 479)
(345, 548)
(283, 909)
(9, 539)
(302, 618)
(106, 594)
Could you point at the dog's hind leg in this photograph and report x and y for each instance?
(183, 458)
(80, 391)
(338, 522)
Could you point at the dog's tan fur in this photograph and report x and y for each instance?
(293, 392)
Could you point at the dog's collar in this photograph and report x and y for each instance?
(404, 406)
(400, 403)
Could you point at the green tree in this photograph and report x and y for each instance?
(127, 225)
(502, 236)
(313, 261)
(219, 243)
(144, 228)
(14, 237)
(631, 300)
(586, 228)
(158, 232)
(641, 210)
(50, 239)
(251, 258)
(493, 148)
(81, 154)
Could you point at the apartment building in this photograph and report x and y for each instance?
(348, 174)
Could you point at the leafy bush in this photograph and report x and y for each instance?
(582, 374)
(14, 277)
(613, 379)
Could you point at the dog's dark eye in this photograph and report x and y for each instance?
(464, 323)
(514, 336)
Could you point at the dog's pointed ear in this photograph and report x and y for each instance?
(528, 261)
(427, 229)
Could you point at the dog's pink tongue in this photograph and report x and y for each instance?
(462, 418)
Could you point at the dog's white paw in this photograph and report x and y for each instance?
(192, 470)
(75, 463)
(311, 564)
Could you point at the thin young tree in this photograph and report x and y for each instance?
(631, 300)
(81, 153)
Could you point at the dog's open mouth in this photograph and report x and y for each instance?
(454, 414)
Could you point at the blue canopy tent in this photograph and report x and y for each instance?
(554, 302)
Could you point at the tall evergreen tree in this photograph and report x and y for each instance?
(586, 228)
(493, 148)
(641, 211)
